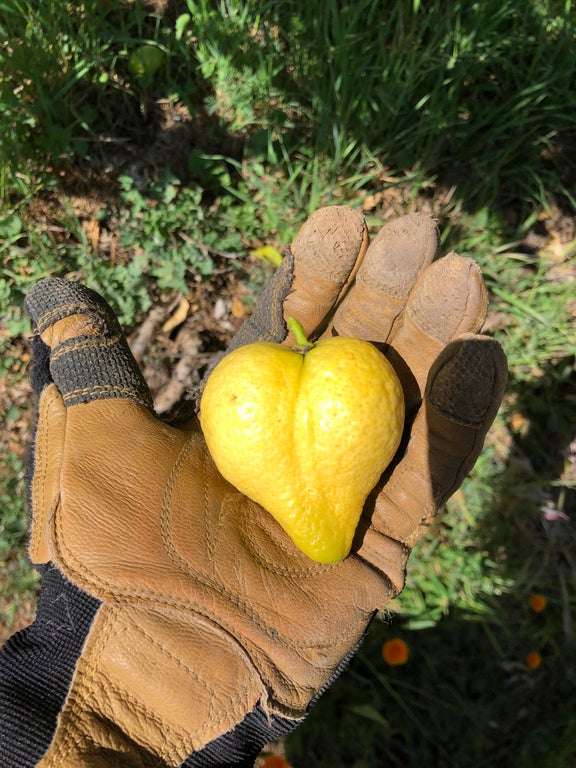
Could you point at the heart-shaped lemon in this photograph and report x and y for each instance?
(307, 434)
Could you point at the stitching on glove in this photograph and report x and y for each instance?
(46, 318)
(209, 528)
(182, 742)
(397, 481)
(74, 739)
(101, 389)
(105, 634)
(96, 682)
(194, 675)
(41, 431)
(65, 556)
(113, 591)
(393, 589)
(245, 657)
(252, 546)
(67, 744)
(73, 705)
(91, 670)
(97, 388)
(230, 717)
(65, 347)
(384, 529)
(178, 560)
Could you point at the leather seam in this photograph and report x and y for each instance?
(70, 740)
(72, 707)
(64, 348)
(98, 388)
(426, 511)
(146, 596)
(209, 534)
(393, 590)
(178, 560)
(127, 393)
(36, 514)
(194, 675)
(185, 742)
(92, 669)
(83, 726)
(181, 740)
(308, 572)
(81, 309)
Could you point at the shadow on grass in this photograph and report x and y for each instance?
(477, 95)
(474, 94)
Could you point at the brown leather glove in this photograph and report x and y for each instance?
(211, 633)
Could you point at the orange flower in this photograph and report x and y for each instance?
(395, 652)
(538, 603)
(533, 660)
(275, 761)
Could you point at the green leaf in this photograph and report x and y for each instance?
(181, 23)
(10, 227)
(146, 61)
(370, 713)
(415, 624)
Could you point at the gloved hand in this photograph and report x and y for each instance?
(177, 623)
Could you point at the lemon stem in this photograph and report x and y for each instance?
(302, 341)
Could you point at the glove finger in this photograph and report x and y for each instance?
(89, 356)
(328, 251)
(463, 393)
(448, 300)
(400, 251)
(314, 275)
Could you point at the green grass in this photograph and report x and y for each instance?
(479, 93)
(285, 106)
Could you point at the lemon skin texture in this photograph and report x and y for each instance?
(306, 436)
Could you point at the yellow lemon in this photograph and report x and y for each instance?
(305, 435)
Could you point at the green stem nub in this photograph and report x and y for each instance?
(302, 341)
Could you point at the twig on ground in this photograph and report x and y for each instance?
(208, 249)
(188, 344)
(143, 337)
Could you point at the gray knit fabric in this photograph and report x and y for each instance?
(54, 298)
(266, 323)
(87, 367)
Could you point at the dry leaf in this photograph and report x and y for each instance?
(519, 423)
(178, 316)
(92, 229)
(219, 310)
(371, 201)
(557, 251)
(237, 308)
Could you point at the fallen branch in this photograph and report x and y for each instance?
(188, 344)
(143, 337)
